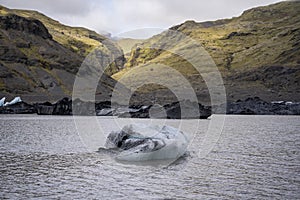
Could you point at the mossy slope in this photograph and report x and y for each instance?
(39, 57)
(257, 53)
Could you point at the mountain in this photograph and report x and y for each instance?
(127, 44)
(257, 54)
(39, 57)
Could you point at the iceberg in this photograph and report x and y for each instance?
(144, 143)
(14, 101)
(2, 101)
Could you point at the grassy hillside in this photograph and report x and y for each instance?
(39, 56)
(257, 53)
(127, 44)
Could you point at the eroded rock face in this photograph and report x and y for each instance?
(62, 107)
(257, 106)
(28, 26)
(44, 108)
(18, 108)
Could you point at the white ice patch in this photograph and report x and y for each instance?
(14, 101)
(2, 101)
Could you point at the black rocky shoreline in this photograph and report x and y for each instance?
(249, 106)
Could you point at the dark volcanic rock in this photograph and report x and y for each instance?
(62, 107)
(102, 105)
(257, 106)
(176, 110)
(235, 34)
(83, 108)
(65, 107)
(18, 108)
(44, 108)
(189, 110)
(26, 25)
(136, 111)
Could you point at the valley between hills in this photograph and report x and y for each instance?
(257, 54)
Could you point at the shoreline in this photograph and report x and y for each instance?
(249, 106)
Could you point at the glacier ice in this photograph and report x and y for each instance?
(2, 101)
(139, 142)
(14, 101)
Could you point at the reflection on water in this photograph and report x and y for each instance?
(256, 157)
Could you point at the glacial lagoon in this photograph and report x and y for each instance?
(44, 157)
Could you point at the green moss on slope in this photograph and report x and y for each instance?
(260, 38)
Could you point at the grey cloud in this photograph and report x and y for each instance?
(118, 16)
(58, 7)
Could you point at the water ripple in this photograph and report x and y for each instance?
(256, 157)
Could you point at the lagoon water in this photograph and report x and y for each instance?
(43, 157)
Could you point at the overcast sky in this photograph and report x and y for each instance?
(120, 16)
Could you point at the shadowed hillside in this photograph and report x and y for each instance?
(39, 57)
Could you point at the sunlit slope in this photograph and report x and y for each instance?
(257, 53)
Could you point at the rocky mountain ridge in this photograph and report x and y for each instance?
(257, 54)
(39, 57)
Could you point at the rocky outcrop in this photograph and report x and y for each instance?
(44, 108)
(189, 112)
(176, 110)
(62, 107)
(26, 25)
(18, 108)
(257, 106)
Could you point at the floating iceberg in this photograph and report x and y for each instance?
(144, 143)
(14, 101)
(2, 101)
